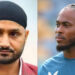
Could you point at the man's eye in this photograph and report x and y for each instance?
(66, 24)
(57, 25)
(1, 33)
(14, 34)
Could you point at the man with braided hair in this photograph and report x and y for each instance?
(64, 62)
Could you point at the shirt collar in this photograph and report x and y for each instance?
(20, 70)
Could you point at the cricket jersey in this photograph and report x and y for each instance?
(58, 65)
(27, 69)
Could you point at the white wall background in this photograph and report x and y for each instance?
(30, 7)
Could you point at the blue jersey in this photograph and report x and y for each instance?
(58, 65)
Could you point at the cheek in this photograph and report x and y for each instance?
(70, 34)
(18, 43)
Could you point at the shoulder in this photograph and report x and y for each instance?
(30, 69)
(51, 64)
(55, 59)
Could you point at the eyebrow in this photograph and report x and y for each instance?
(15, 30)
(56, 20)
(62, 22)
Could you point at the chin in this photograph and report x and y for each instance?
(62, 47)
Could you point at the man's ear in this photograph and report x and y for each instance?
(26, 34)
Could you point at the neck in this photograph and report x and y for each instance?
(10, 68)
(70, 53)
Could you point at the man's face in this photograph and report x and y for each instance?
(65, 31)
(12, 40)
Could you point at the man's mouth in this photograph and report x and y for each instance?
(5, 52)
(59, 38)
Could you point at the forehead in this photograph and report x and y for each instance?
(7, 24)
(66, 14)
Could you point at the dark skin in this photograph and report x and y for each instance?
(12, 35)
(66, 29)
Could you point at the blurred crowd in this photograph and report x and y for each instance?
(47, 14)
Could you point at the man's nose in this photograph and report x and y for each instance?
(4, 42)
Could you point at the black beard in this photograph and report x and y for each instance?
(62, 48)
(66, 47)
(15, 56)
(13, 59)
